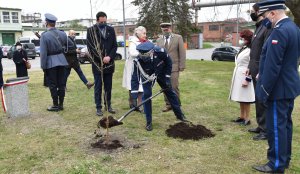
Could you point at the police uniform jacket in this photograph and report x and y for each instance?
(160, 64)
(52, 47)
(278, 70)
(261, 34)
(108, 46)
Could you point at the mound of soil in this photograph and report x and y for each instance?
(110, 145)
(188, 131)
(111, 122)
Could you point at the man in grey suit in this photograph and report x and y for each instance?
(52, 46)
(173, 43)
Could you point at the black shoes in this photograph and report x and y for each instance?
(245, 123)
(266, 169)
(99, 112)
(182, 118)
(149, 127)
(53, 108)
(254, 130)
(238, 120)
(261, 136)
(111, 110)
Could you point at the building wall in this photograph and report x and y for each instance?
(10, 24)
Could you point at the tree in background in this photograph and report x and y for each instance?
(75, 25)
(294, 6)
(154, 12)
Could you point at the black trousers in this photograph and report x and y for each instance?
(260, 112)
(57, 83)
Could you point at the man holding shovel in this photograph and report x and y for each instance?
(153, 63)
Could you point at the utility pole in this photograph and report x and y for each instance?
(124, 30)
(91, 12)
(237, 24)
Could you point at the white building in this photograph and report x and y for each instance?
(10, 25)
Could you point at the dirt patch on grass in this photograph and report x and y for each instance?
(189, 131)
(115, 142)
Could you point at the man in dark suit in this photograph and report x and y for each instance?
(260, 35)
(102, 46)
(278, 83)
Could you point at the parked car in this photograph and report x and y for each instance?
(84, 56)
(225, 53)
(28, 47)
(5, 50)
(37, 50)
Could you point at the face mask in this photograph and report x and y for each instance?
(101, 25)
(267, 23)
(241, 42)
(73, 37)
(254, 17)
(18, 47)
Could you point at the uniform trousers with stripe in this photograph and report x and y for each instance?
(280, 130)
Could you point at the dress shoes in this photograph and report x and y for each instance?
(261, 136)
(111, 110)
(266, 169)
(53, 108)
(182, 118)
(245, 123)
(166, 109)
(149, 127)
(254, 130)
(99, 112)
(238, 120)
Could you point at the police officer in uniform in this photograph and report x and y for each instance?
(153, 63)
(278, 83)
(52, 46)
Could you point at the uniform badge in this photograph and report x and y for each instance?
(274, 42)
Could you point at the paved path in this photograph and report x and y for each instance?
(196, 54)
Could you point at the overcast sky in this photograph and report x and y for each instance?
(76, 9)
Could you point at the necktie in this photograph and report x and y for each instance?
(166, 42)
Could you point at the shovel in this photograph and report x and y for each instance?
(108, 122)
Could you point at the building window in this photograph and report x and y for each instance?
(228, 29)
(213, 27)
(6, 17)
(15, 17)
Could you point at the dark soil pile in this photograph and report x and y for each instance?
(111, 122)
(189, 131)
(110, 145)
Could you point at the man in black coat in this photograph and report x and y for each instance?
(102, 46)
(260, 35)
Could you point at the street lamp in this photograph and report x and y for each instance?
(124, 29)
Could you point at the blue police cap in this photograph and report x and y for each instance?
(50, 18)
(145, 47)
(271, 5)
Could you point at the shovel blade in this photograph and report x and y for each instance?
(108, 122)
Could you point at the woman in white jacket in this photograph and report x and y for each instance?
(242, 89)
(139, 37)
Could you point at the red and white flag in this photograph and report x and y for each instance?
(274, 42)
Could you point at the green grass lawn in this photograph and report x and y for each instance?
(207, 45)
(48, 142)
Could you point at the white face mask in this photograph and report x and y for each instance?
(18, 47)
(241, 42)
